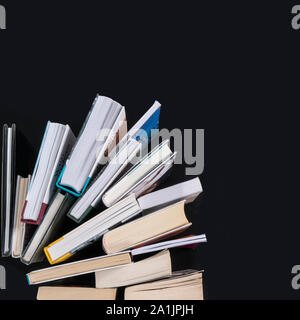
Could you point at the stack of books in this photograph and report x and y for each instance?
(72, 179)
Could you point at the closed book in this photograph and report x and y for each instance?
(57, 142)
(49, 228)
(75, 293)
(7, 187)
(19, 227)
(151, 228)
(181, 285)
(190, 241)
(156, 267)
(141, 177)
(88, 232)
(104, 126)
(77, 268)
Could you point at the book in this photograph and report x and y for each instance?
(181, 285)
(142, 178)
(76, 268)
(151, 163)
(56, 144)
(156, 267)
(88, 232)
(104, 126)
(121, 212)
(188, 190)
(183, 242)
(7, 186)
(49, 227)
(151, 228)
(121, 158)
(19, 227)
(75, 293)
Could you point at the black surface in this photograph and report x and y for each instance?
(228, 67)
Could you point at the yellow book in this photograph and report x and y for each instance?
(63, 258)
(67, 245)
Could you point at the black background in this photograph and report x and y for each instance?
(228, 67)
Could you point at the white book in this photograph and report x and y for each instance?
(34, 250)
(57, 143)
(91, 230)
(188, 190)
(109, 174)
(9, 191)
(181, 242)
(151, 161)
(100, 128)
(65, 148)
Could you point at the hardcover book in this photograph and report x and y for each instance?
(105, 125)
(7, 187)
(56, 145)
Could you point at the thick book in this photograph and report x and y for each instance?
(75, 293)
(7, 187)
(49, 227)
(104, 126)
(77, 268)
(156, 267)
(19, 227)
(120, 159)
(57, 142)
(188, 190)
(151, 228)
(122, 211)
(181, 285)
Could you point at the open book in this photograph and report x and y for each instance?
(120, 159)
(122, 211)
(57, 143)
(105, 125)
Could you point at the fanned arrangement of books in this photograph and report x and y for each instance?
(72, 178)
